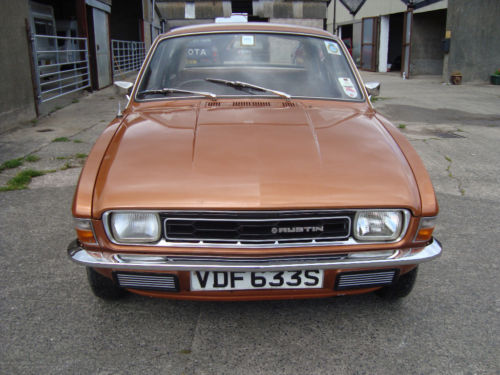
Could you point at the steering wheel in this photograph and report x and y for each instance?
(190, 81)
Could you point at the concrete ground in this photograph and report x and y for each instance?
(52, 324)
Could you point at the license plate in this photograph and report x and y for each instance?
(229, 280)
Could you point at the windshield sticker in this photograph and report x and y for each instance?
(196, 52)
(348, 87)
(247, 40)
(332, 48)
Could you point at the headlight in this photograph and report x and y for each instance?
(379, 225)
(135, 227)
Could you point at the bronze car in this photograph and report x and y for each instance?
(250, 164)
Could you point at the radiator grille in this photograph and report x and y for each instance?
(167, 283)
(254, 229)
(353, 280)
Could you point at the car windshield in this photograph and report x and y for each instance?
(229, 64)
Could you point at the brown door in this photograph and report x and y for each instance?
(405, 54)
(369, 43)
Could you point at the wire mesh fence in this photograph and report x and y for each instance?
(127, 56)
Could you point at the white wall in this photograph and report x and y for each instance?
(309, 22)
(383, 44)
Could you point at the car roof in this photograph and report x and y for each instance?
(250, 26)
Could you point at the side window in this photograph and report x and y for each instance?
(44, 27)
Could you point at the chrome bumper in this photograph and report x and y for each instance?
(143, 262)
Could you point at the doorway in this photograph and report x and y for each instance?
(101, 37)
(395, 42)
(98, 31)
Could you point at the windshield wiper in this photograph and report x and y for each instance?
(238, 84)
(168, 90)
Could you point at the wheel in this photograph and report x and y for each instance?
(103, 287)
(400, 288)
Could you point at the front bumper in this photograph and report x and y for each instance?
(141, 262)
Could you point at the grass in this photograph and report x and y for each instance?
(61, 139)
(76, 156)
(77, 141)
(402, 126)
(448, 168)
(450, 175)
(377, 98)
(10, 164)
(54, 110)
(32, 158)
(21, 180)
(14, 163)
(74, 101)
(66, 166)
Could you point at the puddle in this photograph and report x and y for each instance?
(407, 113)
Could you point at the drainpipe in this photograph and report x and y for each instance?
(334, 17)
(153, 13)
(152, 21)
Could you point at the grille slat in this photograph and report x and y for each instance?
(142, 284)
(251, 104)
(147, 282)
(366, 281)
(255, 228)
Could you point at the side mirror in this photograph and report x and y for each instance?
(123, 87)
(373, 88)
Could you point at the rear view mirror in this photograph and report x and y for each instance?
(373, 88)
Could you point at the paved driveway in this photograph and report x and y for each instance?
(52, 324)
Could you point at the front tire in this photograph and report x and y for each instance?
(400, 288)
(103, 287)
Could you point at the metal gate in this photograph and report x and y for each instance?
(127, 56)
(61, 65)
